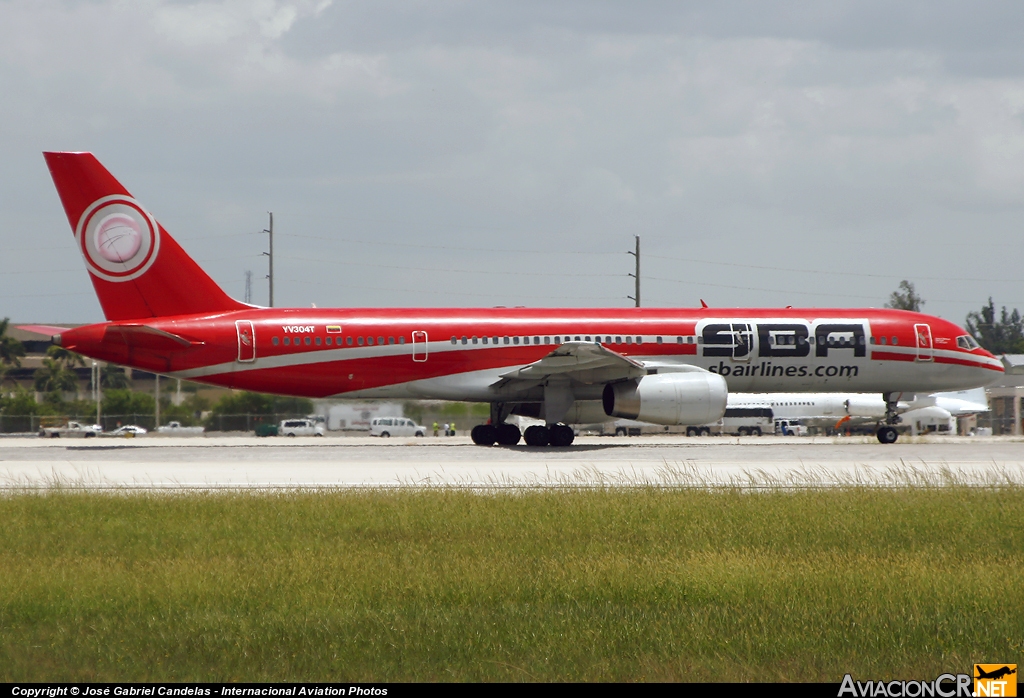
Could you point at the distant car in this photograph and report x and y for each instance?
(71, 429)
(178, 430)
(790, 427)
(396, 426)
(128, 430)
(300, 427)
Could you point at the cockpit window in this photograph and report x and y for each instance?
(967, 342)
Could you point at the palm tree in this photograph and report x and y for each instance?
(11, 350)
(53, 376)
(69, 358)
(113, 378)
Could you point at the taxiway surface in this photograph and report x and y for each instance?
(247, 462)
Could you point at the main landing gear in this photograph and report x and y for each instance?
(509, 435)
(888, 434)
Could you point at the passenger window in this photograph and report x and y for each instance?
(507, 340)
(618, 340)
(547, 340)
(360, 341)
(369, 341)
(455, 340)
(484, 340)
(475, 340)
(391, 340)
(275, 341)
(348, 340)
(895, 341)
(328, 341)
(309, 341)
(287, 341)
(659, 339)
(465, 340)
(380, 340)
(881, 340)
(536, 340)
(679, 340)
(318, 341)
(515, 340)
(629, 340)
(401, 340)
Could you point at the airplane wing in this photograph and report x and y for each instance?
(580, 362)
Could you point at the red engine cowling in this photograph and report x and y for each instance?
(690, 398)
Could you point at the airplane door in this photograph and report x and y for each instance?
(924, 342)
(419, 346)
(743, 342)
(246, 340)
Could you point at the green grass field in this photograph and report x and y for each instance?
(446, 585)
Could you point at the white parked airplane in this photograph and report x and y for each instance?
(841, 408)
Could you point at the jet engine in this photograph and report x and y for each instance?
(690, 398)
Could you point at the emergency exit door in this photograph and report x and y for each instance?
(246, 341)
(924, 342)
(419, 346)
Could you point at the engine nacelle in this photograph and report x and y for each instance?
(691, 398)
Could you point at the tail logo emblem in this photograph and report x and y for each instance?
(118, 238)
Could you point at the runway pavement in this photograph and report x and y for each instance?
(221, 462)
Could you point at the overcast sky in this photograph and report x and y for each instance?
(472, 153)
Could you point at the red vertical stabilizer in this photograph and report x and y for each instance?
(137, 269)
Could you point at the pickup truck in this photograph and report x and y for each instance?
(175, 429)
(71, 429)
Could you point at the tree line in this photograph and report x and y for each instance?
(1000, 334)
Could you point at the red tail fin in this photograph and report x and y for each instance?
(137, 269)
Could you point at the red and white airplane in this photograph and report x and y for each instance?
(668, 366)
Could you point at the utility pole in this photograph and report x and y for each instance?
(157, 401)
(248, 286)
(270, 254)
(96, 388)
(637, 274)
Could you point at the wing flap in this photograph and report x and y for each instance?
(582, 362)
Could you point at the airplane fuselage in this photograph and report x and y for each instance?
(460, 353)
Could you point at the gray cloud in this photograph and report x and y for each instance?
(505, 153)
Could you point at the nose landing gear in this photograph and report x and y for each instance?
(888, 433)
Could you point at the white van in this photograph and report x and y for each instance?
(300, 427)
(396, 426)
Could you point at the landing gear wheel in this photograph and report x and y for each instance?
(756, 431)
(537, 435)
(743, 431)
(887, 435)
(561, 435)
(508, 434)
(691, 431)
(484, 434)
(704, 431)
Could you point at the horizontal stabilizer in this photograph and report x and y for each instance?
(145, 337)
(45, 330)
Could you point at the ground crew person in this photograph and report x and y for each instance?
(435, 428)
(453, 429)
